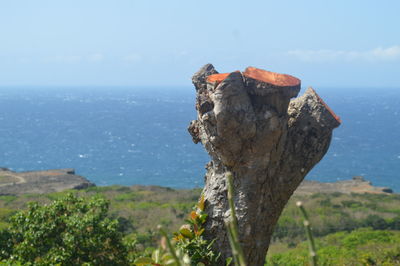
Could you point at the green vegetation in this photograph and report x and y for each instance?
(335, 212)
(189, 237)
(188, 247)
(5, 199)
(360, 247)
(138, 209)
(128, 217)
(69, 231)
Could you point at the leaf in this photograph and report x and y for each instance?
(211, 243)
(170, 262)
(186, 233)
(199, 232)
(228, 261)
(166, 256)
(193, 215)
(156, 256)
(200, 205)
(143, 261)
(190, 221)
(178, 237)
(186, 259)
(203, 218)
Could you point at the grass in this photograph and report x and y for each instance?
(6, 199)
(336, 212)
(359, 247)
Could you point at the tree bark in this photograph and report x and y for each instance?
(249, 127)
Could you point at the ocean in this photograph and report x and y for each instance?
(130, 136)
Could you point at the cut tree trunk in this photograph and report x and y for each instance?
(250, 127)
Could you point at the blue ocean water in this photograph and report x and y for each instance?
(139, 136)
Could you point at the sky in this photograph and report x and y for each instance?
(346, 44)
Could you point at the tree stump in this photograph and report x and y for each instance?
(250, 127)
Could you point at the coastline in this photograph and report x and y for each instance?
(40, 182)
(57, 180)
(355, 185)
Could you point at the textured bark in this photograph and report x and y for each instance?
(249, 127)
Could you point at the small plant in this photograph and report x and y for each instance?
(188, 247)
(166, 254)
(190, 239)
(233, 232)
(312, 250)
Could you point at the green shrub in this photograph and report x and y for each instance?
(100, 189)
(394, 223)
(126, 196)
(288, 227)
(376, 222)
(326, 202)
(364, 236)
(69, 231)
(351, 204)
(5, 244)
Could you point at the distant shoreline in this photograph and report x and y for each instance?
(355, 185)
(56, 180)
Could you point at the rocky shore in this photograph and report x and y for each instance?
(13, 183)
(355, 185)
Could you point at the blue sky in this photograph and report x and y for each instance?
(162, 43)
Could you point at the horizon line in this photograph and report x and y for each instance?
(75, 86)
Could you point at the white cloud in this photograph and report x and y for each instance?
(183, 53)
(70, 59)
(132, 58)
(378, 54)
(388, 53)
(73, 59)
(95, 58)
